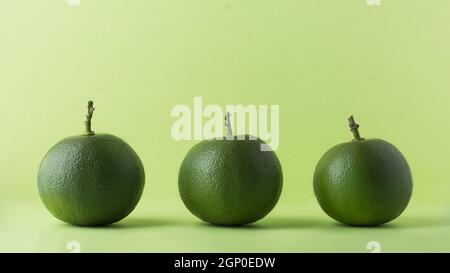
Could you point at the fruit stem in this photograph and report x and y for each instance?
(87, 122)
(354, 127)
(228, 125)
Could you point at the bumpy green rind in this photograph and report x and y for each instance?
(231, 183)
(363, 183)
(91, 180)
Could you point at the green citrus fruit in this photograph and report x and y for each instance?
(230, 182)
(91, 179)
(363, 182)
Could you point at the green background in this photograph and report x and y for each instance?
(319, 60)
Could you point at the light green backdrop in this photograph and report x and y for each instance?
(319, 60)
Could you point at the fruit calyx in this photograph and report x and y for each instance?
(87, 122)
(354, 127)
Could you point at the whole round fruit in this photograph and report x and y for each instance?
(363, 182)
(230, 182)
(91, 180)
